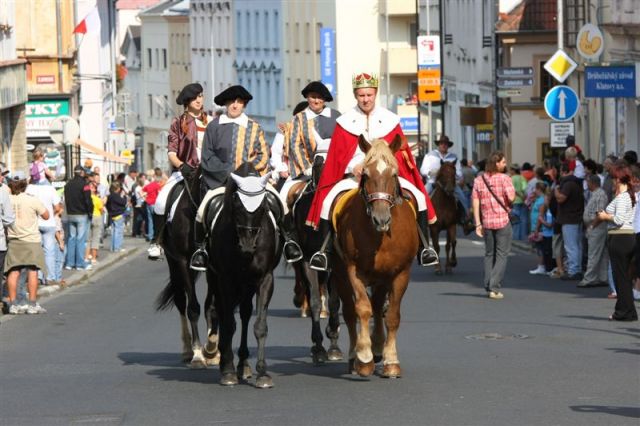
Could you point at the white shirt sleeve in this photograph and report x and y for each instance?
(277, 149)
(428, 167)
(458, 170)
(358, 157)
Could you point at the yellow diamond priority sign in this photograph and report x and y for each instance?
(560, 66)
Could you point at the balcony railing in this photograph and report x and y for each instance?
(402, 60)
(13, 83)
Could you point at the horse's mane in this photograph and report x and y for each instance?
(448, 167)
(380, 151)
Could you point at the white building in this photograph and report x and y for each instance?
(130, 95)
(368, 35)
(166, 69)
(212, 46)
(96, 69)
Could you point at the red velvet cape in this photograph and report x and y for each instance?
(341, 150)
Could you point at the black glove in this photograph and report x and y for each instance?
(186, 170)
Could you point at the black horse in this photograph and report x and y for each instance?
(177, 240)
(313, 282)
(244, 248)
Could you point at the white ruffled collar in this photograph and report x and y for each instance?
(241, 120)
(326, 112)
(381, 122)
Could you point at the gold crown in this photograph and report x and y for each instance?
(364, 80)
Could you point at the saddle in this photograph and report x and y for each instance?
(339, 203)
(294, 194)
(172, 200)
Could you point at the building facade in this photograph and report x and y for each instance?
(13, 93)
(166, 69)
(51, 65)
(258, 63)
(212, 46)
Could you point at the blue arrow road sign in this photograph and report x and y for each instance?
(561, 103)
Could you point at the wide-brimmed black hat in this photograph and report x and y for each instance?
(319, 88)
(445, 139)
(231, 94)
(189, 93)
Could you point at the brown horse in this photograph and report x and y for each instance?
(376, 241)
(446, 208)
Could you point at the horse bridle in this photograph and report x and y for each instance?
(377, 196)
(249, 194)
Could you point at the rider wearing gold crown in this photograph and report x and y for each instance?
(344, 160)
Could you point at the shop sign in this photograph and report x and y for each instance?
(40, 113)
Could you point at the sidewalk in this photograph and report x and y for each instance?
(106, 260)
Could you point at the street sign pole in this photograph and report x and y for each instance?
(560, 24)
(429, 109)
(68, 164)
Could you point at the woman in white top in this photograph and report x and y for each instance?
(621, 240)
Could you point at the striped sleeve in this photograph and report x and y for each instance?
(260, 150)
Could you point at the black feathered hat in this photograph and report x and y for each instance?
(318, 87)
(231, 94)
(189, 93)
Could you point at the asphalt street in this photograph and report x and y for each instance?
(545, 355)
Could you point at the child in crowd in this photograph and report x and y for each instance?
(535, 236)
(59, 250)
(545, 221)
(96, 224)
(116, 207)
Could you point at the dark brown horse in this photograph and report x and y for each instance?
(375, 244)
(311, 285)
(446, 207)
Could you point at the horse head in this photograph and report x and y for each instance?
(249, 208)
(446, 177)
(379, 182)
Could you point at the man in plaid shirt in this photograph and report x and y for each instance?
(492, 220)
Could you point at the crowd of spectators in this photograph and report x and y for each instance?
(44, 230)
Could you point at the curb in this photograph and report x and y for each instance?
(81, 277)
(84, 276)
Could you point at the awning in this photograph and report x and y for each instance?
(107, 155)
(472, 116)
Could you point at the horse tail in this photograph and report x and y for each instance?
(166, 298)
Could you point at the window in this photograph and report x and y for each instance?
(149, 58)
(164, 58)
(413, 34)
(266, 30)
(150, 97)
(547, 82)
(157, 58)
(166, 105)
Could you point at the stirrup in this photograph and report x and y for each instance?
(428, 257)
(198, 260)
(319, 262)
(296, 257)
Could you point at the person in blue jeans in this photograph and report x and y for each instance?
(116, 207)
(570, 199)
(79, 208)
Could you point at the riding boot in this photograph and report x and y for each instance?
(464, 220)
(291, 250)
(200, 257)
(320, 261)
(427, 256)
(154, 251)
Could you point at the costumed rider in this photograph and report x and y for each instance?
(429, 169)
(345, 160)
(185, 139)
(279, 162)
(230, 140)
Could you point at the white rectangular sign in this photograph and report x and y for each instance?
(428, 51)
(558, 132)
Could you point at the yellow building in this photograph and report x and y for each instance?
(44, 37)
